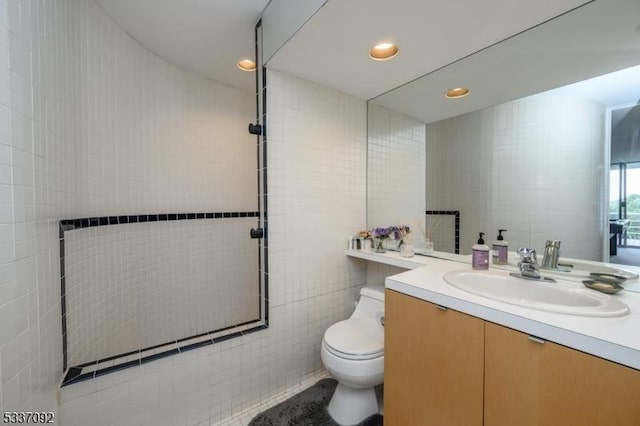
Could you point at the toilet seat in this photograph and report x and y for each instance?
(356, 339)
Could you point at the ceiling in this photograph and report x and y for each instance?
(596, 39)
(430, 34)
(209, 36)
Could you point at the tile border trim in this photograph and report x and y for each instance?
(456, 229)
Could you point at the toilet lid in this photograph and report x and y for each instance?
(362, 338)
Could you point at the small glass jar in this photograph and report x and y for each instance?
(406, 250)
(428, 246)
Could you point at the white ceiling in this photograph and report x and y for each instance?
(204, 36)
(430, 34)
(208, 37)
(596, 39)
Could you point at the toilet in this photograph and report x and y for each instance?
(353, 353)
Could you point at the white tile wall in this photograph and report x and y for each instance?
(541, 161)
(317, 151)
(132, 286)
(396, 168)
(30, 343)
(91, 121)
(317, 198)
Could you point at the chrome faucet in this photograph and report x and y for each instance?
(528, 266)
(551, 254)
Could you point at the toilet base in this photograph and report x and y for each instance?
(349, 406)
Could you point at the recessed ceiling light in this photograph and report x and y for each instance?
(383, 51)
(247, 65)
(457, 92)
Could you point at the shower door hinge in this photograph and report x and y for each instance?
(256, 233)
(255, 129)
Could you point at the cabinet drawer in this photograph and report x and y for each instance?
(533, 382)
(434, 361)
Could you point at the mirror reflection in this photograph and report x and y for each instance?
(543, 166)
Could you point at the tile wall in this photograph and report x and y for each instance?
(89, 119)
(317, 199)
(533, 166)
(136, 285)
(396, 170)
(317, 151)
(31, 193)
(93, 124)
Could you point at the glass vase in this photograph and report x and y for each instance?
(380, 245)
(406, 250)
(428, 246)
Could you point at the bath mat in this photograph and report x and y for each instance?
(307, 408)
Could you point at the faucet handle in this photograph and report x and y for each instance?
(528, 255)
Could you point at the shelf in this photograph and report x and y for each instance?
(393, 258)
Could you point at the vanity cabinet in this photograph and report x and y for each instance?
(433, 363)
(529, 381)
(443, 367)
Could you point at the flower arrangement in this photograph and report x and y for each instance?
(400, 233)
(365, 235)
(395, 232)
(380, 233)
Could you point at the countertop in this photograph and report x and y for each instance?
(616, 339)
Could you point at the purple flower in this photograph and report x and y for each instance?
(399, 232)
(381, 233)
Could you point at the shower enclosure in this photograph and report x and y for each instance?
(171, 255)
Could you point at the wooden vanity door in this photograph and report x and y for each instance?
(532, 382)
(434, 362)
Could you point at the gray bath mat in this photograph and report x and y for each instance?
(308, 408)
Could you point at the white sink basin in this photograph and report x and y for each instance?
(561, 297)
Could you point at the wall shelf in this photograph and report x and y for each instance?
(393, 258)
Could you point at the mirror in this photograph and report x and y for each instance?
(503, 157)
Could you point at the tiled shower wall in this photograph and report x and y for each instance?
(136, 285)
(533, 166)
(93, 124)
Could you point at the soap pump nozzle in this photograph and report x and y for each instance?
(500, 231)
(480, 240)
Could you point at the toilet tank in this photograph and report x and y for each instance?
(371, 302)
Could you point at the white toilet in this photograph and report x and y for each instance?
(353, 352)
